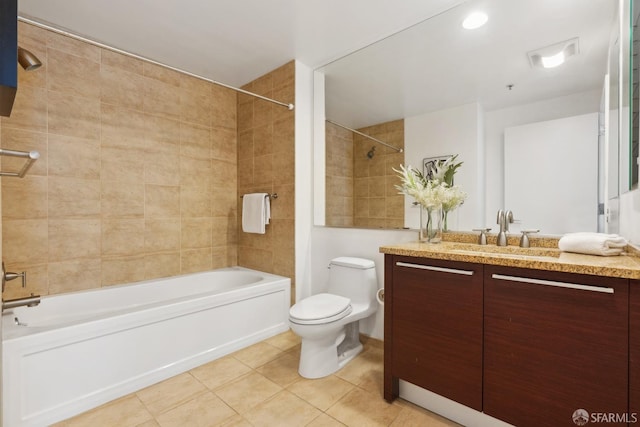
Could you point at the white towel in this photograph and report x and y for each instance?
(592, 243)
(256, 212)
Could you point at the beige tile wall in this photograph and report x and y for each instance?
(339, 176)
(377, 203)
(137, 176)
(360, 192)
(266, 164)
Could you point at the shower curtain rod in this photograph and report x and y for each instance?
(113, 49)
(399, 150)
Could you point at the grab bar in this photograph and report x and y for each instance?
(553, 283)
(31, 157)
(432, 268)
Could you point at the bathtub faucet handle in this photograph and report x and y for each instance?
(7, 276)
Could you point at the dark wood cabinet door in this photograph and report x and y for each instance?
(554, 343)
(634, 348)
(436, 327)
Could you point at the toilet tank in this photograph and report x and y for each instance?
(354, 278)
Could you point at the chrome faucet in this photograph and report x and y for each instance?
(504, 219)
(30, 301)
(6, 276)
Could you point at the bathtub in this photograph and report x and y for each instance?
(79, 350)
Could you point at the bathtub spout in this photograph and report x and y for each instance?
(30, 301)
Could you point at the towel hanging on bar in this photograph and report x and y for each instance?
(256, 212)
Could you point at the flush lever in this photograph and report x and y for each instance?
(7, 276)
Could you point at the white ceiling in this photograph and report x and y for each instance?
(432, 65)
(437, 64)
(233, 41)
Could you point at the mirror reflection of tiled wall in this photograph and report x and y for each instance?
(360, 182)
(339, 176)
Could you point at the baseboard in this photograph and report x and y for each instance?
(371, 342)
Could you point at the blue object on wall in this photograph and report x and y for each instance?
(8, 55)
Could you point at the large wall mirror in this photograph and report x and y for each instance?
(632, 163)
(532, 139)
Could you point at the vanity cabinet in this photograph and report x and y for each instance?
(554, 343)
(634, 348)
(434, 336)
(526, 346)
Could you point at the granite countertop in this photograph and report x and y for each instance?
(543, 257)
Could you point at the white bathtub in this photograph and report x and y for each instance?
(79, 350)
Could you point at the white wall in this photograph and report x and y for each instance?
(319, 146)
(452, 131)
(329, 243)
(630, 216)
(478, 137)
(551, 180)
(495, 123)
(304, 174)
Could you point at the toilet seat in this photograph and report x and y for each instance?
(320, 308)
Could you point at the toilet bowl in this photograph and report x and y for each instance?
(328, 322)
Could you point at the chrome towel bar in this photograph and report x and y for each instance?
(271, 196)
(31, 157)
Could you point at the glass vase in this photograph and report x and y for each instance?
(445, 217)
(431, 224)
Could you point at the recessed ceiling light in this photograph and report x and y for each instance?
(475, 20)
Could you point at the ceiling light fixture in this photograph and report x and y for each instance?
(475, 20)
(553, 60)
(554, 55)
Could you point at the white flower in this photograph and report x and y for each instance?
(454, 197)
(431, 193)
(444, 171)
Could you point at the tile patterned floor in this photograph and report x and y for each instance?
(260, 386)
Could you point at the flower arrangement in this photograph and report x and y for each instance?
(429, 193)
(435, 190)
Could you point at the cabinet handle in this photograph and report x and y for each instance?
(432, 268)
(553, 283)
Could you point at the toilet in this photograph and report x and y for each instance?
(328, 322)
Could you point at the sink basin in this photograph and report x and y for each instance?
(514, 251)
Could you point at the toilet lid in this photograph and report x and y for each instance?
(320, 308)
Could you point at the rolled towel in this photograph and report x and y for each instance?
(592, 243)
